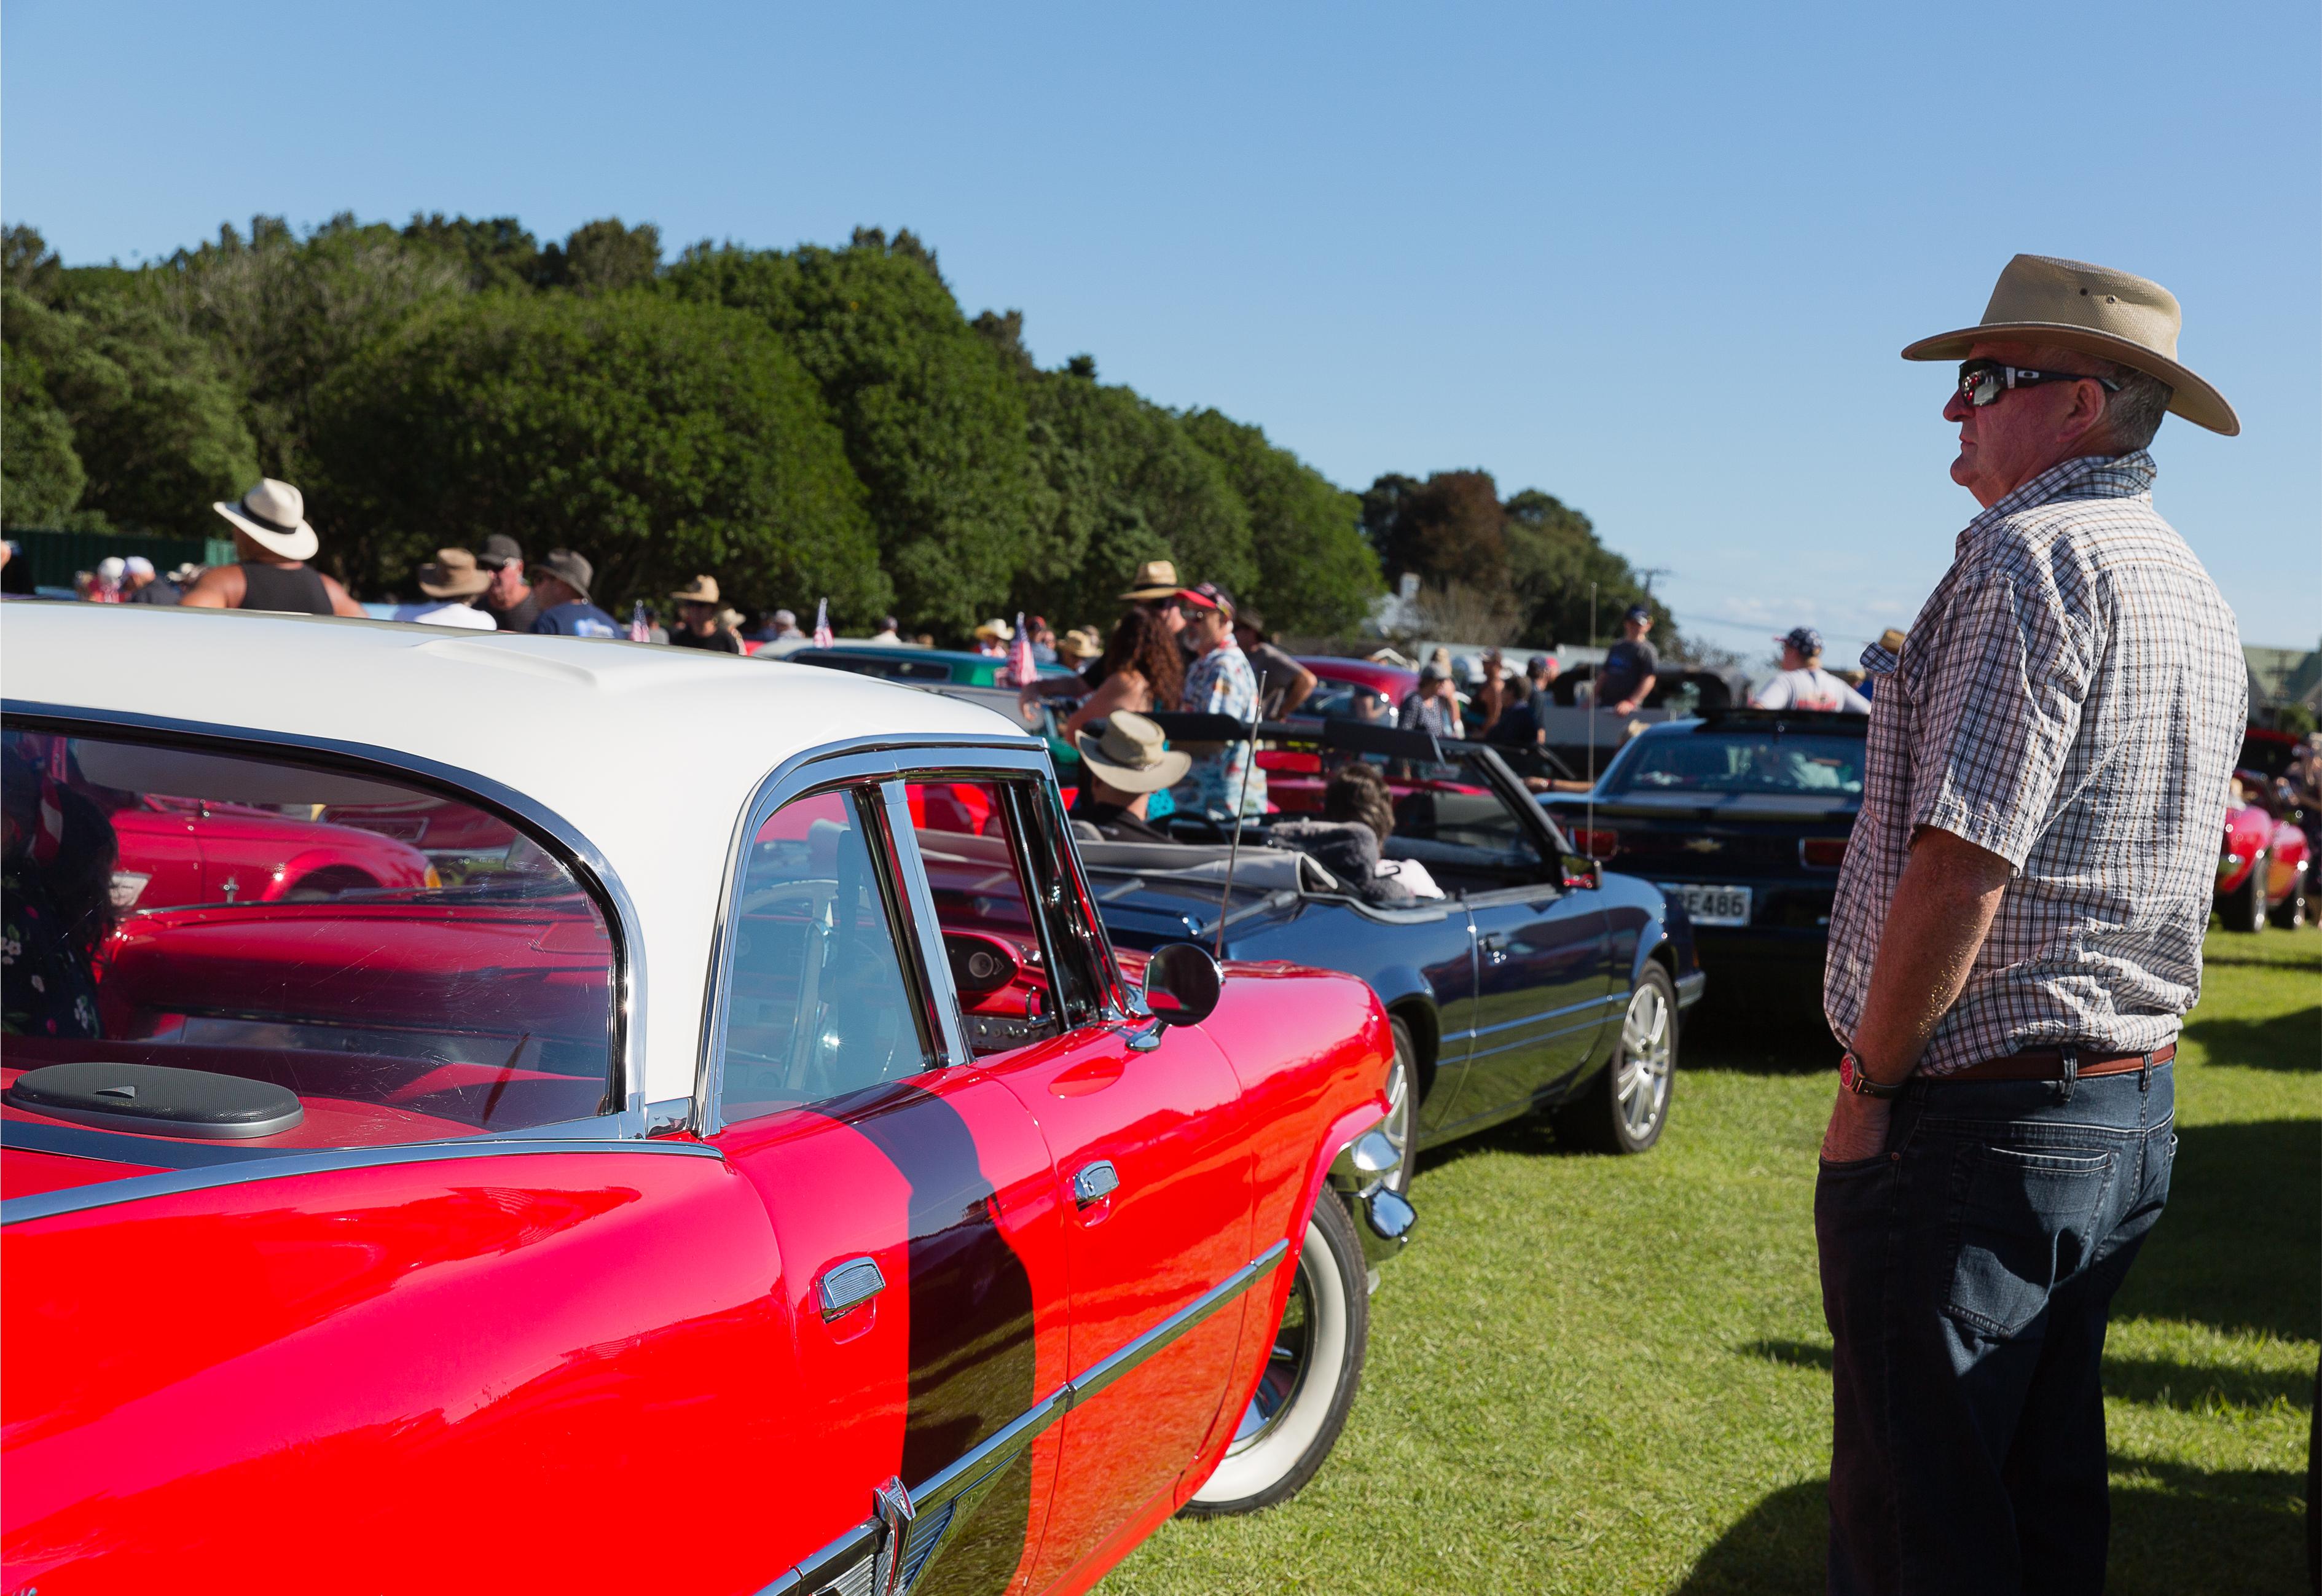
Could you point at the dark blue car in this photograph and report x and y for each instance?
(1744, 816)
(1535, 982)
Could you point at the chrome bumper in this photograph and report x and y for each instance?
(1383, 1218)
(1689, 987)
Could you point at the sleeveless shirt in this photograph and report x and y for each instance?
(292, 590)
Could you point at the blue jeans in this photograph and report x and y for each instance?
(1967, 1274)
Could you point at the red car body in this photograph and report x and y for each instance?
(504, 1311)
(173, 851)
(2262, 835)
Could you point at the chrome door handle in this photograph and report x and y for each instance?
(1095, 1182)
(844, 1287)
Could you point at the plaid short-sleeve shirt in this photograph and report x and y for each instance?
(2071, 698)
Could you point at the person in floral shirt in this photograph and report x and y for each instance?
(1225, 780)
(55, 905)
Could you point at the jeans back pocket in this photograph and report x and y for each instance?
(2025, 1223)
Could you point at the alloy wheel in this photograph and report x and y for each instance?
(1648, 1054)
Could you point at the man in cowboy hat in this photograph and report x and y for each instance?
(1127, 761)
(2016, 940)
(992, 638)
(561, 582)
(271, 537)
(699, 625)
(453, 582)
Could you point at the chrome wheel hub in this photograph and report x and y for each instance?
(1640, 1084)
(1285, 1367)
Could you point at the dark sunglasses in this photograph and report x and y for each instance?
(1981, 382)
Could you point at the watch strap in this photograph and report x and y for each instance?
(1855, 1079)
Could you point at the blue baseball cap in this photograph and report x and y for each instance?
(1804, 639)
(1641, 612)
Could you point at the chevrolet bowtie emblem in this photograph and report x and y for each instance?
(1703, 844)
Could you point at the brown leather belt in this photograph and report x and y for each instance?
(2047, 1063)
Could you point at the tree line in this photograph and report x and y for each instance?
(807, 423)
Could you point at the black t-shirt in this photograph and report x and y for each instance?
(1626, 664)
(520, 618)
(720, 641)
(1117, 824)
(1515, 728)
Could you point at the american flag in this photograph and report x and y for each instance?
(640, 625)
(822, 633)
(1022, 671)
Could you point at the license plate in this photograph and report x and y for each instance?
(1711, 906)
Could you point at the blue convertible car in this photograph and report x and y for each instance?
(1536, 982)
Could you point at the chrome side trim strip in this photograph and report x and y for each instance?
(73, 1200)
(567, 843)
(982, 1463)
(1106, 1370)
(943, 996)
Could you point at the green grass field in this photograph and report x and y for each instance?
(1602, 1374)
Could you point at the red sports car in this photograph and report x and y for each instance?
(2265, 867)
(761, 1176)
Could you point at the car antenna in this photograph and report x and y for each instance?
(1233, 853)
(1596, 680)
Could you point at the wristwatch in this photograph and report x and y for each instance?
(1852, 1076)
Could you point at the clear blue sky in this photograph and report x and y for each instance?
(1655, 260)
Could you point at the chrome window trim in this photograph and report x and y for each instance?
(864, 761)
(571, 847)
(942, 994)
(983, 1461)
(74, 1200)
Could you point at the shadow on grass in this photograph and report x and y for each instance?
(1758, 1039)
(2162, 1383)
(2174, 1528)
(2240, 1245)
(2283, 1042)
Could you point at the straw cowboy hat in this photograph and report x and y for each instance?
(454, 575)
(700, 591)
(274, 515)
(1156, 578)
(1084, 640)
(996, 628)
(1131, 756)
(2096, 311)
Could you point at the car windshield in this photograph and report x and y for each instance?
(405, 966)
(1759, 761)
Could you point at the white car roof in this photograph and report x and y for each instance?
(649, 752)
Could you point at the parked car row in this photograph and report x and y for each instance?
(400, 1113)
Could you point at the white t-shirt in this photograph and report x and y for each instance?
(438, 612)
(1810, 689)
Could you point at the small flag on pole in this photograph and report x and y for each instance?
(1021, 671)
(640, 625)
(822, 633)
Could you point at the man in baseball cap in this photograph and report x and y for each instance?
(509, 600)
(1626, 678)
(1802, 683)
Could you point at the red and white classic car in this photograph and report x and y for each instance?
(741, 1165)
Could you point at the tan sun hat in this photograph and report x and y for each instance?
(996, 628)
(453, 575)
(1086, 641)
(700, 590)
(2096, 311)
(274, 515)
(1156, 578)
(1131, 755)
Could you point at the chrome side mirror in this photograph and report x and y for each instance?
(1182, 985)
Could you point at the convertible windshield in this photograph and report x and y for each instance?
(1754, 762)
(379, 962)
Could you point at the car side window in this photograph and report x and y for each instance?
(1465, 834)
(819, 1000)
(1019, 981)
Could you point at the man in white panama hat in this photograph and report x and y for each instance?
(274, 541)
(2015, 941)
